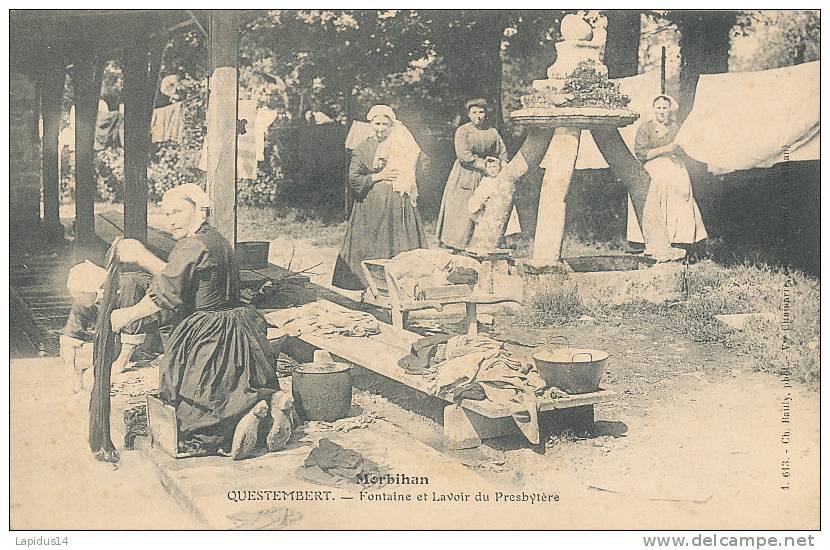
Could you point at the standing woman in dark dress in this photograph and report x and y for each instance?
(385, 219)
(219, 363)
(474, 143)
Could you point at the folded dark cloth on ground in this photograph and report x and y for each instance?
(332, 464)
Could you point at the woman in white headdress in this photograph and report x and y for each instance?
(670, 201)
(219, 363)
(385, 219)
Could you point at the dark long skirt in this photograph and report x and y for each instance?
(219, 365)
(454, 227)
(382, 225)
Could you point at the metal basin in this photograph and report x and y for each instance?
(572, 370)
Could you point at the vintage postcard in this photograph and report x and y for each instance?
(415, 269)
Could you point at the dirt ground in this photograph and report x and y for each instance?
(694, 439)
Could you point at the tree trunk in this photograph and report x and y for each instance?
(475, 63)
(704, 49)
(622, 46)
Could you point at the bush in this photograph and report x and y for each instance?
(265, 190)
(172, 165)
(109, 176)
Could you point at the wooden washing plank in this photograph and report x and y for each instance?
(380, 353)
(490, 410)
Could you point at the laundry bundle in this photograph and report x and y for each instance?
(417, 270)
(479, 366)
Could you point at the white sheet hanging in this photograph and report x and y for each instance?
(754, 120)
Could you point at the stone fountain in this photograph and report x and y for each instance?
(577, 95)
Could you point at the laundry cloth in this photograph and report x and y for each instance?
(754, 119)
(423, 268)
(167, 123)
(503, 379)
(319, 319)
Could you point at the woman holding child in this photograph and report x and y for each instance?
(475, 142)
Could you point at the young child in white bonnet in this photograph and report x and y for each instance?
(488, 205)
(85, 283)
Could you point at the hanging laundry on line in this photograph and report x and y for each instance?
(250, 146)
(167, 123)
(754, 120)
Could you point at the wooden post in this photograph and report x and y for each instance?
(86, 81)
(223, 50)
(141, 68)
(51, 96)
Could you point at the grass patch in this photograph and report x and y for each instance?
(551, 305)
(777, 347)
(787, 342)
(324, 227)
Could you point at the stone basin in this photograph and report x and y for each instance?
(583, 264)
(611, 280)
(573, 117)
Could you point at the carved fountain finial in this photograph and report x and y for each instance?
(577, 91)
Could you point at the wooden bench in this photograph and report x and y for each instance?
(479, 420)
(385, 292)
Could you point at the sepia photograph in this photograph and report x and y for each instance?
(415, 270)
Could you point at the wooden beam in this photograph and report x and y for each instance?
(223, 52)
(51, 98)
(87, 72)
(141, 70)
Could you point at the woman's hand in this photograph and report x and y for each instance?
(387, 174)
(120, 318)
(131, 251)
(666, 150)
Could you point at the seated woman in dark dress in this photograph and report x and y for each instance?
(219, 363)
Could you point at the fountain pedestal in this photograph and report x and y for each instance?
(555, 128)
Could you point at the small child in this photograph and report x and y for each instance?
(490, 205)
(85, 284)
